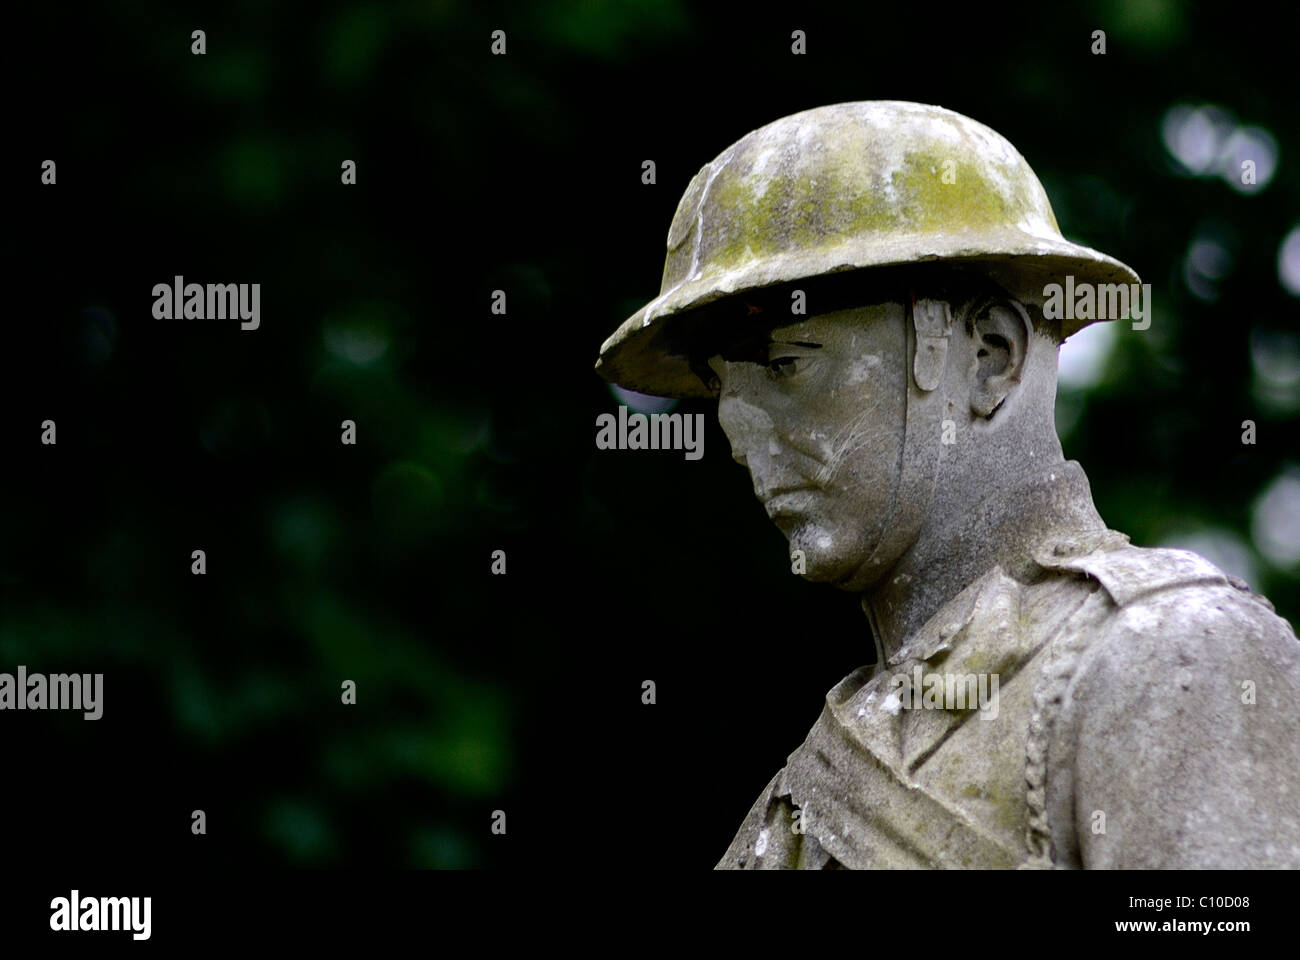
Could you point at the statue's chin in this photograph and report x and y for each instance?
(828, 560)
(823, 562)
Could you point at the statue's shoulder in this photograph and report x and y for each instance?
(1158, 593)
(1161, 623)
(1176, 685)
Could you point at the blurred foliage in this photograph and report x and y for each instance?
(370, 563)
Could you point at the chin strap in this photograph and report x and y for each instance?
(928, 330)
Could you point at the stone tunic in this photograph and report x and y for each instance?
(1147, 716)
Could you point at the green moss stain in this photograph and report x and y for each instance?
(924, 203)
(751, 223)
(749, 217)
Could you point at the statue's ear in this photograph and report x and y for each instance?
(1001, 331)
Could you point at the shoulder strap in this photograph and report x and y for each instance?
(1127, 572)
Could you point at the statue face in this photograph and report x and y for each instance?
(817, 414)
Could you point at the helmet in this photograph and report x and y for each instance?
(845, 187)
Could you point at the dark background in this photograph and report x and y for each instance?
(476, 432)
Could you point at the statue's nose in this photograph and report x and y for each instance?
(749, 428)
(729, 421)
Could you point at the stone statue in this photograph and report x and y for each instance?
(864, 287)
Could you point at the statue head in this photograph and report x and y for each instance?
(861, 286)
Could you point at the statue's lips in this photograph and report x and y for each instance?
(788, 502)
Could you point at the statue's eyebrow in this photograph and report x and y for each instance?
(799, 343)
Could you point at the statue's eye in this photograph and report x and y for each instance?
(787, 358)
(781, 367)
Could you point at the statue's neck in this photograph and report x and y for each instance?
(1004, 529)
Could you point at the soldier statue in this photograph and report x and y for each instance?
(862, 287)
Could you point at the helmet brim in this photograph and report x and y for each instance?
(640, 356)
